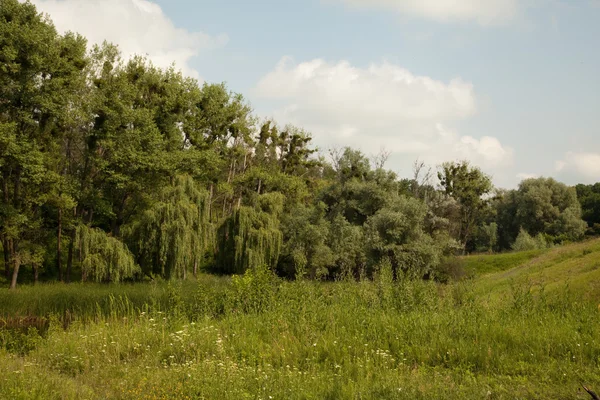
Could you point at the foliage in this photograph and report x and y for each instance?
(467, 185)
(396, 232)
(251, 237)
(127, 161)
(549, 207)
(526, 242)
(104, 258)
(589, 197)
(173, 235)
(305, 251)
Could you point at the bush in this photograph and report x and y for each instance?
(526, 242)
(253, 292)
(450, 269)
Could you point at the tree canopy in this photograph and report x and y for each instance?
(114, 169)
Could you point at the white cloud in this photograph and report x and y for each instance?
(383, 105)
(379, 91)
(137, 26)
(583, 166)
(524, 175)
(487, 151)
(484, 12)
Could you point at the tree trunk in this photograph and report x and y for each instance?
(210, 198)
(16, 264)
(259, 186)
(231, 167)
(35, 273)
(5, 245)
(15, 274)
(195, 268)
(59, 246)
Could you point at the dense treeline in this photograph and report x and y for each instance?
(114, 169)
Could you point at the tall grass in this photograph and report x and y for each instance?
(90, 300)
(258, 337)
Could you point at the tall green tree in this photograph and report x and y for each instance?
(546, 206)
(468, 185)
(37, 75)
(396, 233)
(172, 236)
(589, 198)
(251, 237)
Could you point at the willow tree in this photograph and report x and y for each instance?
(172, 236)
(251, 236)
(103, 258)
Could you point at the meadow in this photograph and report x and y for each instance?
(520, 326)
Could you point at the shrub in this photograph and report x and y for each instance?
(526, 242)
(450, 269)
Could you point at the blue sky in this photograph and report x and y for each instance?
(512, 85)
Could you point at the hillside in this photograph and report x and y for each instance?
(573, 266)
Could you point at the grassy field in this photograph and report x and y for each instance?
(525, 326)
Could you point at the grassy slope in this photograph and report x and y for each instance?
(575, 266)
(412, 340)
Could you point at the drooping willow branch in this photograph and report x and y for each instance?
(172, 235)
(103, 257)
(251, 236)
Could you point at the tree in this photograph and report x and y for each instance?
(251, 237)
(504, 204)
(589, 198)
(305, 250)
(490, 233)
(171, 236)
(546, 206)
(103, 258)
(525, 241)
(116, 167)
(467, 185)
(39, 72)
(396, 232)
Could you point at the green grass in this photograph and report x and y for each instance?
(256, 337)
(90, 300)
(576, 266)
(481, 264)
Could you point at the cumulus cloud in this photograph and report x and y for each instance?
(382, 105)
(137, 26)
(379, 91)
(487, 151)
(582, 166)
(484, 12)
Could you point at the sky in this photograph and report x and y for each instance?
(513, 86)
